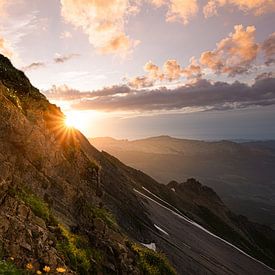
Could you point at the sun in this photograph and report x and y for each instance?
(70, 122)
(74, 120)
(80, 120)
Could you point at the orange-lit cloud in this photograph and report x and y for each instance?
(193, 70)
(3, 4)
(153, 71)
(103, 21)
(182, 10)
(140, 82)
(210, 9)
(172, 70)
(158, 3)
(256, 7)
(178, 10)
(5, 48)
(234, 54)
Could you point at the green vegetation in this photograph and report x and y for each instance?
(151, 262)
(38, 206)
(8, 268)
(105, 215)
(15, 79)
(14, 99)
(78, 252)
(91, 212)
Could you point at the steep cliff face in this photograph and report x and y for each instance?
(51, 212)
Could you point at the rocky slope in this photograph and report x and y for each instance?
(195, 201)
(51, 210)
(65, 206)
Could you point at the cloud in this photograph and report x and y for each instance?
(140, 82)
(256, 7)
(3, 5)
(193, 70)
(265, 75)
(64, 58)
(5, 48)
(202, 95)
(103, 21)
(64, 92)
(178, 10)
(210, 9)
(172, 70)
(153, 71)
(182, 10)
(66, 34)
(154, 74)
(34, 66)
(59, 59)
(268, 47)
(234, 54)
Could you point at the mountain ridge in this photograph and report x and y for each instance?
(51, 195)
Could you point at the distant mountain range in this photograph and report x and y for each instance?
(243, 174)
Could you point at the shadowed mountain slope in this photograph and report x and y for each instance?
(242, 174)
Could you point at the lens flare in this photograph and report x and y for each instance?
(71, 122)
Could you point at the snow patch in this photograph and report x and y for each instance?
(182, 216)
(151, 246)
(161, 230)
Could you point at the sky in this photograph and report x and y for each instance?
(200, 69)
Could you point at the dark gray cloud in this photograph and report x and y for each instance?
(203, 94)
(65, 58)
(34, 66)
(57, 60)
(66, 93)
(268, 47)
(265, 75)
